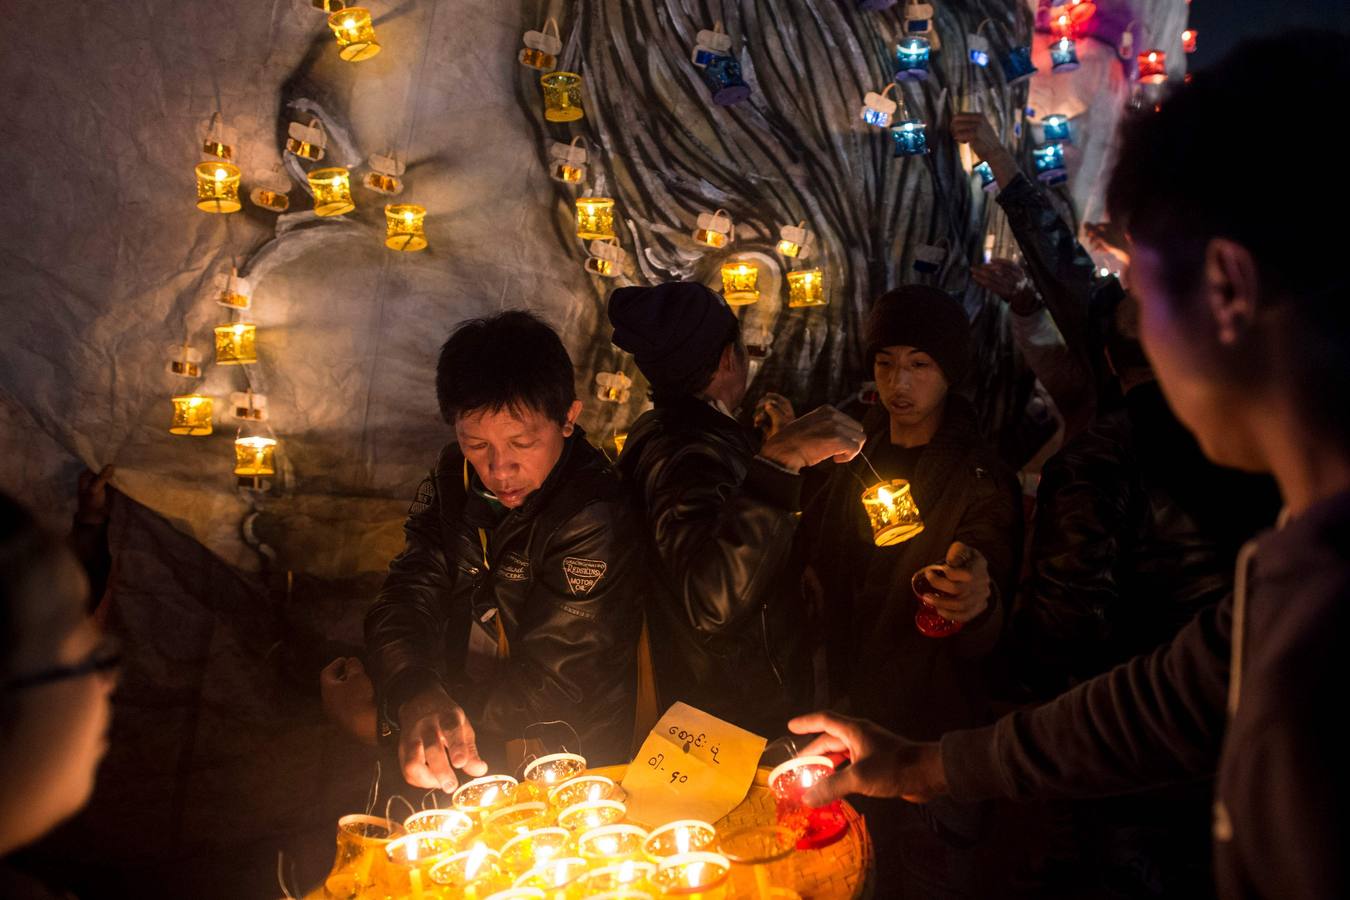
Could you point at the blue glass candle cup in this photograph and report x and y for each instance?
(910, 137)
(722, 74)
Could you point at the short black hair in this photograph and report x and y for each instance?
(697, 382)
(1210, 162)
(512, 361)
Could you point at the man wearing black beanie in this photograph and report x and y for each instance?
(721, 510)
(891, 659)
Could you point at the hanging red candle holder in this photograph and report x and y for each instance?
(1152, 67)
(1188, 40)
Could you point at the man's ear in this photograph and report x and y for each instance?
(1232, 289)
(571, 422)
(730, 360)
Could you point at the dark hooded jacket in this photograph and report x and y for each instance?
(560, 574)
(888, 671)
(724, 611)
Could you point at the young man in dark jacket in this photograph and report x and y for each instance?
(1250, 344)
(515, 601)
(720, 508)
(882, 667)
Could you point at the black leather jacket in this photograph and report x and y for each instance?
(1135, 533)
(561, 578)
(724, 612)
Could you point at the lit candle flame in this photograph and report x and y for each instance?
(627, 873)
(682, 840)
(477, 856)
(221, 175)
(350, 24)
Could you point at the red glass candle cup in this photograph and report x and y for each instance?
(789, 782)
(928, 620)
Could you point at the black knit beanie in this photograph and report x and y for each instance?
(925, 318)
(674, 330)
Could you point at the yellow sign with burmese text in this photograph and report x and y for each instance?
(691, 766)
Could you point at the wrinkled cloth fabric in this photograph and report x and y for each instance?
(560, 577)
(1249, 689)
(724, 610)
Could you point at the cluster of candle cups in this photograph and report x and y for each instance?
(560, 834)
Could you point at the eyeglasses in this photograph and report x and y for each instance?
(105, 658)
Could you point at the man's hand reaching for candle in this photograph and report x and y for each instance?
(435, 739)
(881, 764)
(963, 581)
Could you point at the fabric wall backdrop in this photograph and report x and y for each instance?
(108, 264)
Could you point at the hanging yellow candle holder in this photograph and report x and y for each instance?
(246, 405)
(255, 453)
(355, 33)
(236, 344)
(795, 242)
(332, 189)
(591, 814)
(562, 96)
(403, 227)
(272, 191)
(713, 229)
(567, 162)
(307, 141)
(613, 387)
(384, 173)
(218, 187)
(184, 361)
(740, 282)
(533, 848)
(329, 6)
(619, 438)
(233, 292)
(595, 219)
(612, 843)
(806, 288)
(449, 823)
(541, 47)
(191, 415)
(219, 139)
(554, 768)
(892, 512)
(360, 862)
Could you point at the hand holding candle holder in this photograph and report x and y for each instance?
(929, 621)
(819, 826)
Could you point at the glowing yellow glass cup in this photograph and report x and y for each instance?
(892, 512)
(562, 96)
(332, 188)
(236, 344)
(255, 456)
(740, 283)
(595, 218)
(191, 415)
(403, 227)
(355, 34)
(806, 288)
(360, 863)
(218, 187)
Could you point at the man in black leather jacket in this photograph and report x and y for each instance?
(720, 508)
(514, 602)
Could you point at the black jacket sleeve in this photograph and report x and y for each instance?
(992, 524)
(721, 539)
(405, 626)
(1082, 516)
(1157, 719)
(578, 637)
(1063, 273)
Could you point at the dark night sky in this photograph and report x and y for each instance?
(1224, 23)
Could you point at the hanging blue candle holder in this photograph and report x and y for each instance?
(1049, 160)
(987, 180)
(1017, 65)
(1063, 55)
(722, 74)
(1056, 128)
(910, 137)
(911, 59)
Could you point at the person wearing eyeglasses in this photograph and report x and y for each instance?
(57, 672)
